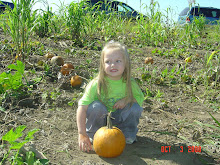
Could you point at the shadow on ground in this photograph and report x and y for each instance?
(147, 151)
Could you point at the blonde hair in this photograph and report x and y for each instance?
(102, 84)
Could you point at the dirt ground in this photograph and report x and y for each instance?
(172, 125)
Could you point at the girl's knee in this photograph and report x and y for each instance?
(97, 104)
(97, 107)
(136, 109)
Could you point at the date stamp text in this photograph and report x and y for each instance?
(167, 149)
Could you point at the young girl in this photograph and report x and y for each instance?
(112, 90)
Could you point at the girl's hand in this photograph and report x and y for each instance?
(120, 104)
(84, 143)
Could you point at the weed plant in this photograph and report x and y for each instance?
(11, 137)
(150, 29)
(18, 23)
(212, 69)
(75, 20)
(44, 22)
(12, 82)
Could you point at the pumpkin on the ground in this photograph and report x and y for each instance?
(149, 60)
(57, 60)
(49, 55)
(66, 68)
(76, 81)
(109, 141)
(188, 60)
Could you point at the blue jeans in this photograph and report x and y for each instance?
(125, 119)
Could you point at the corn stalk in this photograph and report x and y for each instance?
(19, 24)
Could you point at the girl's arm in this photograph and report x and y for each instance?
(134, 100)
(84, 142)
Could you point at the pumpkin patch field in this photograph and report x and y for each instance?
(47, 59)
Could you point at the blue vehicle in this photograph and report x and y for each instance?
(210, 14)
(3, 5)
(122, 9)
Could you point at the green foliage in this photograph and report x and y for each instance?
(18, 23)
(154, 94)
(44, 21)
(13, 82)
(12, 138)
(151, 29)
(217, 122)
(199, 25)
(159, 94)
(209, 58)
(148, 93)
(211, 69)
(31, 159)
(75, 20)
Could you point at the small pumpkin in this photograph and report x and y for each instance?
(57, 60)
(66, 68)
(76, 81)
(109, 141)
(149, 60)
(188, 60)
(49, 55)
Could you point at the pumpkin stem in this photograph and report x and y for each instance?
(109, 121)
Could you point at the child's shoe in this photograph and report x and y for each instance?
(130, 140)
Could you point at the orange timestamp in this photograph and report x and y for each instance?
(182, 148)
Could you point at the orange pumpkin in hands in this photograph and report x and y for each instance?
(66, 68)
(109, 141)
(76, 81)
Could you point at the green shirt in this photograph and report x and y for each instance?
(116, 91)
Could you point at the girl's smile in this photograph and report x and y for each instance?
(113, 70)
(114, 64)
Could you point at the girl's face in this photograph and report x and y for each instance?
(114, 64)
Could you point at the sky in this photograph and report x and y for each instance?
(176, 5)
